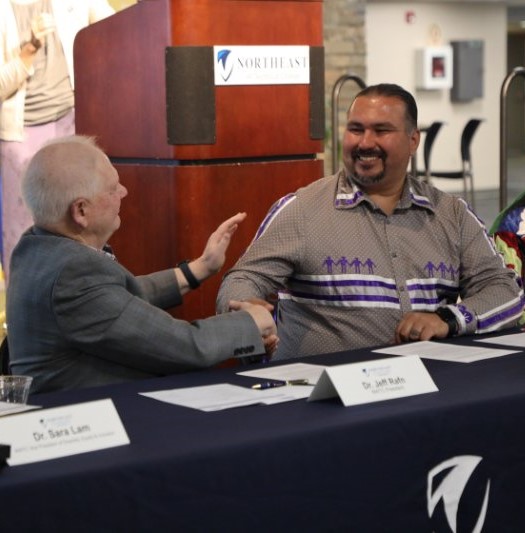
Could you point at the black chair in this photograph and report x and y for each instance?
(4, 357)
(465, 173)
(430, 136)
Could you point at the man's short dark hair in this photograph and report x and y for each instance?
(395, 91)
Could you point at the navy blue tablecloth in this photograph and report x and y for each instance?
(296, 466)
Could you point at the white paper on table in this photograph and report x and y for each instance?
(286, 393)
(288, 372)
(8, 408)
(225, 396)
(513, 339)
(445, 352)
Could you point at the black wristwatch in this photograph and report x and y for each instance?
(193, 282)
(450, 320)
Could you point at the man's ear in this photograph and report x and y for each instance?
(78, 211)
(415, 137)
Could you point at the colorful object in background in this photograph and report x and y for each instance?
(512, 247)
(508, 231)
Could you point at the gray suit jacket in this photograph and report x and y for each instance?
(76, 318)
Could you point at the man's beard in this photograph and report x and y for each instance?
(360, 179)
(363, 181)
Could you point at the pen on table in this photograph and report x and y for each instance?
(272, 384)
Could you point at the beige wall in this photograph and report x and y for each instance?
(391, 44)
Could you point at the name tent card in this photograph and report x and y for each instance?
(62, 431)
(374, 381)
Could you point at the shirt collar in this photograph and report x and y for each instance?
(349, 194)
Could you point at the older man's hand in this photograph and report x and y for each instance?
(214, 254)
(264, 321)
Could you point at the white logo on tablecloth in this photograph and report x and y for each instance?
(451, 488)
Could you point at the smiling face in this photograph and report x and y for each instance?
(378, 142)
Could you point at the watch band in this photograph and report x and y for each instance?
(193, 282)
(450, 319)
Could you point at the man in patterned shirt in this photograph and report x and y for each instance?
(371, 256)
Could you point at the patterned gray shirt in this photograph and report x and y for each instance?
(345, 272)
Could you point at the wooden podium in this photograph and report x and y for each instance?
(192, 153)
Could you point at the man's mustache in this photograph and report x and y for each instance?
(358, 153)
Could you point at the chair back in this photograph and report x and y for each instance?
(466, 138)
(430, 137)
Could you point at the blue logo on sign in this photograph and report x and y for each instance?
(225, 66)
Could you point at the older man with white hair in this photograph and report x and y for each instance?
(76, 317)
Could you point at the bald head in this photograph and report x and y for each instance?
(62, 171)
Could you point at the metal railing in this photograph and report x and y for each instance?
(503, 156)
(335, 113)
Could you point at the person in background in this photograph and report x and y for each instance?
(371, 256)
(36, 90)
(78, 318)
